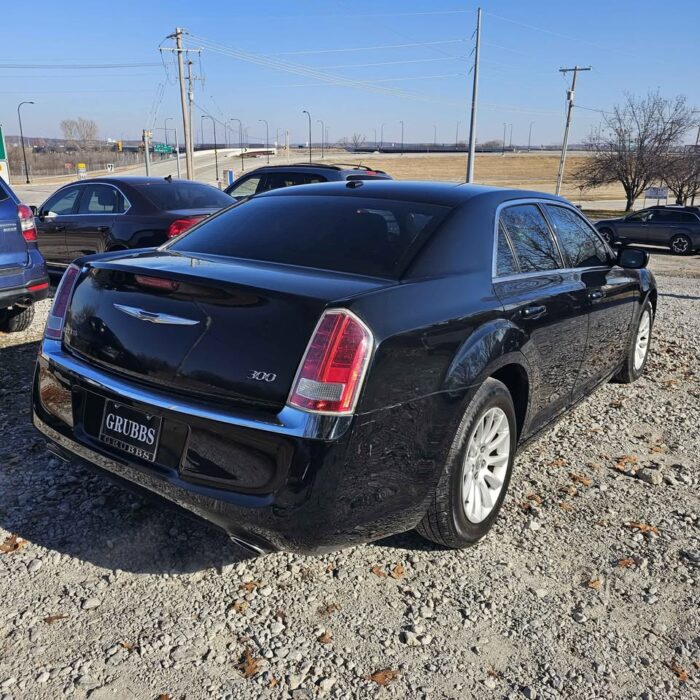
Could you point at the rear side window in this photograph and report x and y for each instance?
(532, 241)
(3, 192)
(363, 236)
(580, 245)
(505, 261)
(275, 181)
(101, 199)
(170, 196)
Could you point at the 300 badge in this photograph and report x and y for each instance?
(259, 376)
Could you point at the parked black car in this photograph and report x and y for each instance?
(675, 227)
(23, 276)
(117, 213)
(325, 365)
(274, 177)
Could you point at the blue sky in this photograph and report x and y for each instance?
(633, 46)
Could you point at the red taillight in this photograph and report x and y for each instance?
(180, 225)
(38, 287)
(334, 365)
(57, 315)
(26, 222)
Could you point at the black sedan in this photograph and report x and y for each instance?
(331, 364)
(117, 213)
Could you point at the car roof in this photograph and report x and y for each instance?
(137, 181)
(428, 192)
(338, 167)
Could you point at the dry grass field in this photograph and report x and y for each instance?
(536, 171)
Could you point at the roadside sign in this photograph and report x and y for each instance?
(82, 171)
(162, 148)
(4, 164)
(68, 166)
(656, 193)
(229, 176)
(110, 167)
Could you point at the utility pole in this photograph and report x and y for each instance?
(475, 91)
(401, 120)
(510, 138)
(381, 137)
(434, 135)
(306, 112)
(570, 108)
(529, 137)
(186, 110)
(147, 150)
(503, 149)
(457, 135)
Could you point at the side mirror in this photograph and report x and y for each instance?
(35, 210)
(632, 258)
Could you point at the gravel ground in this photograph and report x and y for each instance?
(588, 587)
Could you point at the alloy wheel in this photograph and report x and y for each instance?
(641, 345)
(485, 464)
(680, 245)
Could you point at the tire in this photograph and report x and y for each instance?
(16, 319)
(634, 364)
(680, 244)
(448, 521)
(607, 235)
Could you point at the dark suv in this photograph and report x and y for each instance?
(675, 227)
(23, 278)
(273, 177)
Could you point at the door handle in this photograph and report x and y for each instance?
(59, 227)
(533, 311)
(597, 294)
(102, 229)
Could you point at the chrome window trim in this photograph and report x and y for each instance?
(515, 203)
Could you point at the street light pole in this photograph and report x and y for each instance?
(165, 128)
(529, 138)
(323, 128)
(401, 120)
(21, 136)
(503, 150)
(240, 138)
(267, 139)
(510, 139)
(457, 135)
(216, 153)
(434, 135)
(306, 112)
(381, 138)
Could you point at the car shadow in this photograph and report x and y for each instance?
(69, 509)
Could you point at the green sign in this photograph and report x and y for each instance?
(162, 148)
(3, 155)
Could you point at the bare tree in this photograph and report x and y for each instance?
(358, 140)
(82, 132)
(681, 172)
(633, 141)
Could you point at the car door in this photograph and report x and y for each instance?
(610, 295)
(545, 301)
(635, 227)
(99, 204)
(13, 247)
(55, 215)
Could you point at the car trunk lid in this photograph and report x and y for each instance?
(221, 329)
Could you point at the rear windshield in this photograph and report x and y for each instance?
(374, 237)
(185, 195)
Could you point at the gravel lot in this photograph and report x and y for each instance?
(587, 588)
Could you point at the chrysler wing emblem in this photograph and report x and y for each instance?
(152, 317)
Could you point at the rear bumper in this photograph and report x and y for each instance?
(296, 481)
(27, 294)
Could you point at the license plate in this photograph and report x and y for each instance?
(131, 431)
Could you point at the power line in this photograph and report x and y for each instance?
(382, 80)
(397, 63)
(371, 48)
(76, 66)
(306, 71)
